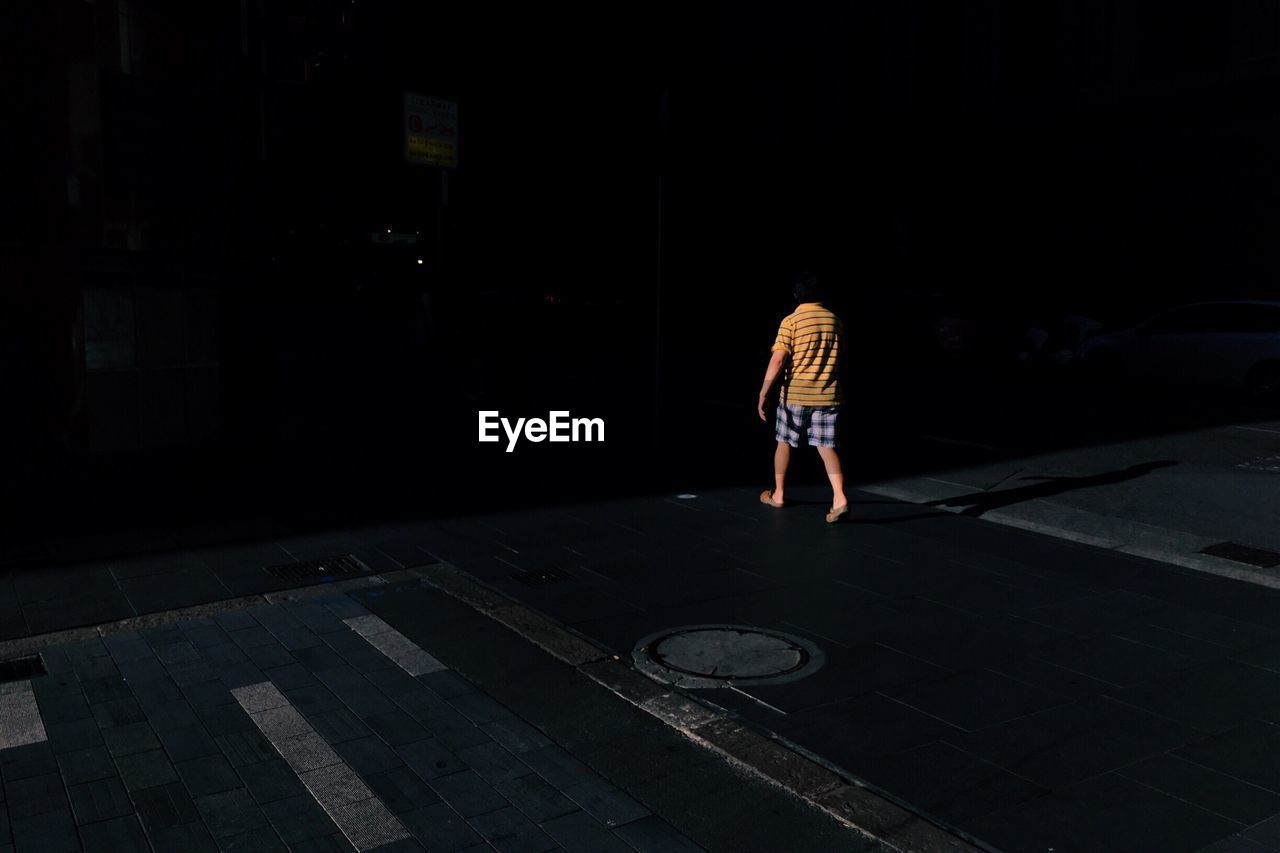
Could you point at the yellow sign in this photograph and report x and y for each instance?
(431, 131)
(437, 152)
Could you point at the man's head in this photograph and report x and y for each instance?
(805, 287)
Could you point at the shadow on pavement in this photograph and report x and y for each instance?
(978, 503)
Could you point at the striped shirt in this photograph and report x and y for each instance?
(811, 336)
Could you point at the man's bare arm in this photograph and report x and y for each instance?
(776, 363)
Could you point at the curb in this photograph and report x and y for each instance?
(21, 646)
(1148, 541)
(844, 798)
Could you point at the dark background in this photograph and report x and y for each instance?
(196, 323)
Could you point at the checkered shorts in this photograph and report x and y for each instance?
(818, 424)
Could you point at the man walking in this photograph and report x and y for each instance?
(807, 354)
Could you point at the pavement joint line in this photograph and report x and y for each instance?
(745, 695)
(366, 822)
(1096, 530)
(22, 646)
(838, 794)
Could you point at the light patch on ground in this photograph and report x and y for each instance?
(362, 817)
(20, 723)
(404, 652)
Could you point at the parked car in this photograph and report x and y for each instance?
(1056, 341)
(1229, 345)
(913, 326)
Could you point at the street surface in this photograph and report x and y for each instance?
(315, 725)
(1021, 644)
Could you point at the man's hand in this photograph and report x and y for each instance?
(777, 362)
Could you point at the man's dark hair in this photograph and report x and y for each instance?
(805, 287)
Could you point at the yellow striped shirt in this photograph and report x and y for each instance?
(811, 336)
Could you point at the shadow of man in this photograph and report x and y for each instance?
(978, 503)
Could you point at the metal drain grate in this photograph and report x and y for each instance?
(20, 554)
(346, 564)
(21, 669)
(541, 577)
(1238, 553)
(1270, 464)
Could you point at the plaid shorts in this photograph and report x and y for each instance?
(820, 425)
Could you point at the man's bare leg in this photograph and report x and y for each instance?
(835, 474)
(781, 459)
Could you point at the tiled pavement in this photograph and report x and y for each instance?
(1032, 692)
(283, 727)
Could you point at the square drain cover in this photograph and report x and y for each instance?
(326, 567)
(1259, 557)
(21, 669)
(541, 577)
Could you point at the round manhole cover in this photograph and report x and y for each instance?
(721, 655)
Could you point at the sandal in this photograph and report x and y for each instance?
(837, 513)
(766, 497)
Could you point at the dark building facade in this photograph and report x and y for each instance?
(171, 167)
(1113, 140)
(197, 193)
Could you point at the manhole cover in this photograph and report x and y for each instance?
(724, 655)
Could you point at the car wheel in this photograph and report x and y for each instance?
(1263, 382)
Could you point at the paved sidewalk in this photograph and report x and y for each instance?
(315, 725)
(1166, 497)
(1029, 692)
(1026, 691)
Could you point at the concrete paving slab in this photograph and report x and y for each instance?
(20, 720)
